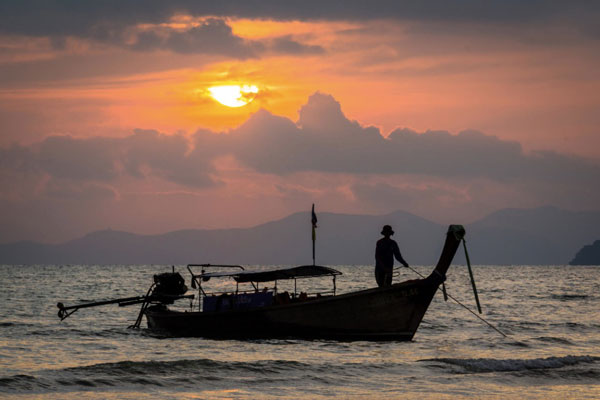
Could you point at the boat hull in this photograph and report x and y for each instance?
(388, 313)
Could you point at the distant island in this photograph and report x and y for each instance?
(588, 255)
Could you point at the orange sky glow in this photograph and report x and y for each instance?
(506, 81)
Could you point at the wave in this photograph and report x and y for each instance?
(206, 373)
(181, 373)
(189, 374)
(515, 365)
(10, 324)
(23, 383)
(553, 339)
(169, 367)
(569, 296)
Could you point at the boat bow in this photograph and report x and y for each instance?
(454, 236)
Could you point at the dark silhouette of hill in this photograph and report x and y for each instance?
(544, 235)
(588, 255)
(341, 239)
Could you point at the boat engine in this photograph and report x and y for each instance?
(168, 286)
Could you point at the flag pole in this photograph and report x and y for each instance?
(314, 233)
(313, 246)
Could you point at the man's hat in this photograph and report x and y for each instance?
(387, 230)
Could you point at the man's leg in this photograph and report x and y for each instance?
(379, 277)
(383, 277)
(388, 277)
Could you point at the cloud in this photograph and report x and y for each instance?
(87, 37)
(323, 140)
(212, 36)
(74, 193)
(467, 154)
(287, 45)
(150, 153)
(142, 155)
(16, 158)
(102, 19)
(67, 157)
(215, 36)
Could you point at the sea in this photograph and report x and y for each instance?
(549, 314)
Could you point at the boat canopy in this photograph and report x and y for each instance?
(303, 271)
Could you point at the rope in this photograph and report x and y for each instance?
(462, 305)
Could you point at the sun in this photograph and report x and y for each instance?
(233, 95)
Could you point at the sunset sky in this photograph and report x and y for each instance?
(448, 110)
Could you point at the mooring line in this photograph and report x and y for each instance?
(461, 304)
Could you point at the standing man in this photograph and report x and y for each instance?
(386, 250)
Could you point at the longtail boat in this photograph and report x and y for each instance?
(385, 313)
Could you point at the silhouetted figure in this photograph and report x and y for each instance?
(385, 252)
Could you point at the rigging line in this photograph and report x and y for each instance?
(465, 307)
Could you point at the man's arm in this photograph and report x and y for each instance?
(398, 255)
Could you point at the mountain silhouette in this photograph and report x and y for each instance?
(545, 235)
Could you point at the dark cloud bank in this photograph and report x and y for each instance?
(322, 140)
(115, 22)
(85, 18)
(214, 36)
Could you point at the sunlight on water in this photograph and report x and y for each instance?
(551, 316)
